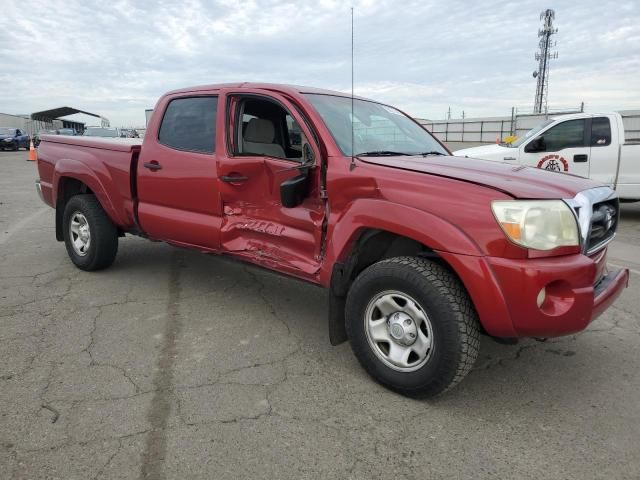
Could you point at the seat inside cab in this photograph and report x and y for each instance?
(268, 129)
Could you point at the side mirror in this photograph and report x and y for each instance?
(294, 190)
(535, 145)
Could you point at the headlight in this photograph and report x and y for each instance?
(537, 224)
(7, 139)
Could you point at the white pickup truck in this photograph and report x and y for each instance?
(585, 144)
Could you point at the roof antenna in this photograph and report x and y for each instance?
(353, 160)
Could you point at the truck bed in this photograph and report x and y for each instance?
(102, 164)
(117, 144)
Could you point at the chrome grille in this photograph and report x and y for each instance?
(604, 222)
(597, 211)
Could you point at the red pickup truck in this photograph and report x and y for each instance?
(421, 251)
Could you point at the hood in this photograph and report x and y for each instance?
(485, 151)
(515, 180)
(4, 135)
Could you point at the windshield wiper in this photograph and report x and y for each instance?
(433, 152)
(381, 153)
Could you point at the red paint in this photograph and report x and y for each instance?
(441, 202)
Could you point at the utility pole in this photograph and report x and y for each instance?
(543, 56)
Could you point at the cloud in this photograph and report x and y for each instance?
(116, 58)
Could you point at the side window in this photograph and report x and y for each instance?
(600, 132)
(564, 135)
(190, 124)
(267, 129)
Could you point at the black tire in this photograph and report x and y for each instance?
(103, 246)
(454, 324)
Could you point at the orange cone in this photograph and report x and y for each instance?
(32, 153)
(498, 140)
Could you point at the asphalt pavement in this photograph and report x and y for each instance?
(177, 365)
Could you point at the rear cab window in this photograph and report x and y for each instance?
(600, 132)
(189, 124)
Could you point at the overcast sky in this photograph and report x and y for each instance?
(116, 58)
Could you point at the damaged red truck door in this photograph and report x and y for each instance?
(254, 222)
(228, 201)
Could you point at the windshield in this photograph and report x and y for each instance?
(377, 129)
(7, 131)
(531, 133)
(101, 132)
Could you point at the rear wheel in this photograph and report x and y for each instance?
(89, 235)
(412, 326)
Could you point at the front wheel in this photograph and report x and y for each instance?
(412, 326)
(89, 235)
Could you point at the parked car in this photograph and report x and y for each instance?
(14, 139)
(36, 137)
(129, 133)
(585, 144)
(106, 132)
(421, 251)
(66, 131)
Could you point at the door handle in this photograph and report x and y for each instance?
(234, 178)
(153, 166)
(509, 158)
(583, 157)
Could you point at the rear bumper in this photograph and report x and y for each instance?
(506, 292)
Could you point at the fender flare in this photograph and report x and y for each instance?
(372, 214)
(426, 228)
(94, 178)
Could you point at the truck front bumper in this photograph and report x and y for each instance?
(545, 297)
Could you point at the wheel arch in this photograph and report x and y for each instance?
(73, 177)
(428, 229)
(66, 188)
(370, 246)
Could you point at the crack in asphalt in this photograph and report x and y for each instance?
(93, 362)
(265, 300)
(491, 362)
(56, 413)
(109, 460)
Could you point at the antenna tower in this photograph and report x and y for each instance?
(543, 56)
